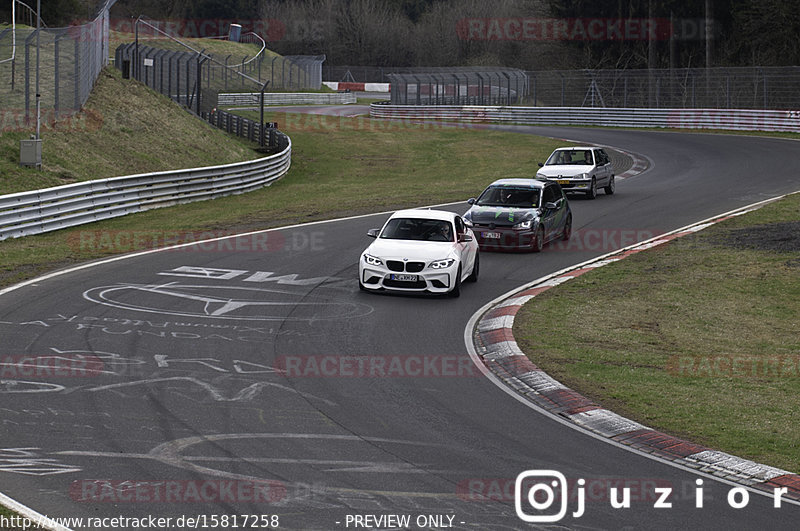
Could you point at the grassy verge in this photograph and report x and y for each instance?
(699, 338)
(340, 166)
(217, 48)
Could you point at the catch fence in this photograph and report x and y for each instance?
(61, 65)
(752, 87)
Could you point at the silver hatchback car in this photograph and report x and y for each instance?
(580, 169)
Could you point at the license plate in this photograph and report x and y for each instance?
(404, 278)
(562, 181)
(491, 235)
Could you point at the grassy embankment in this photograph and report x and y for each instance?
(699, 338)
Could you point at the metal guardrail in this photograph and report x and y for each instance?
(733, 119)
(252, 99)
(49, 209)
(244, 128)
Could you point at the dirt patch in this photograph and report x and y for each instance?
(779, 237)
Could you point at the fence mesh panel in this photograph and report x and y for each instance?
(682, 88)
(713, 88)
(69, 61)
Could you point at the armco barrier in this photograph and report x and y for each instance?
(252, 99)
(733, 119)
(358, 87)
(49, 209)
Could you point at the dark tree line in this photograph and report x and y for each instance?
(449, 32)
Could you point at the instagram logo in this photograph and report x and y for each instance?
(540, 490)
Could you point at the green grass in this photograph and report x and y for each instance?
(699, 338)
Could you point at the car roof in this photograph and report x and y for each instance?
(577, 148)
(529, 183)
(424, 213)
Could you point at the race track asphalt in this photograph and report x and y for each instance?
(171, 373)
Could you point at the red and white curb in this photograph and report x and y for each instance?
(640, 164)
(492, 340)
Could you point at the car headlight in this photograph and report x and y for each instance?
(582, 176)
(442, 264)
(467, 220)
(523, 224)
(371, 260)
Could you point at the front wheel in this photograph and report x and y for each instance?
(609, 190)
(473, 277)
(592, 193)
(538, 243)
(456, 291)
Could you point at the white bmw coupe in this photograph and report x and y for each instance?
(420, 250)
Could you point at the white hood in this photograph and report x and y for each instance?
(556, 170)
(411, 250)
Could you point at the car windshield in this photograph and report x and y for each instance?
(510, 197)
(429, 230)
(571, 156)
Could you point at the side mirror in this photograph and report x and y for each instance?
(551, 205)
(541, 165)
(373, 233)
(471, 201)
(464, 238)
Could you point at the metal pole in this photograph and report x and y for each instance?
(13, 42)
(199, 78)
(136, 50)
(38, 36)
(261, 136)
(56, 77)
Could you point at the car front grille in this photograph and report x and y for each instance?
(415, 267)
(492, 226)
(395, 265)
(399, 267)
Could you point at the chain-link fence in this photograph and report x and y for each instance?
(459, 86)
(195, 79)
(686, 88)
(689, 88)
(61, 65)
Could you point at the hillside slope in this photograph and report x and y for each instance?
(125, 128)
